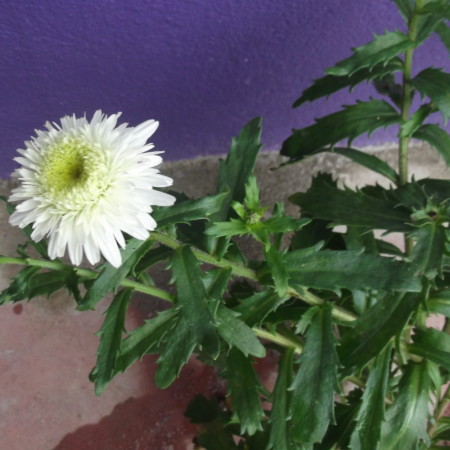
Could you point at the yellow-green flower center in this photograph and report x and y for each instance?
(74, 172)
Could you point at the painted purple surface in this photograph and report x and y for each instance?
(202, 68)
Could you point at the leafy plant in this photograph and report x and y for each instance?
(358, 365)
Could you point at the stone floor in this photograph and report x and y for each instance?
(47, 348)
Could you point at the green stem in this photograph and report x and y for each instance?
(278, 339)
(242, 271)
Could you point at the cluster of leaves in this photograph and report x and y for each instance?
(345, 311)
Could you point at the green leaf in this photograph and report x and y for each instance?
(315, 383)
(437, 137)
(216, 282)
(406, 420)
(255, 308)
(428, 252)
(381, 50)
(188, 210)
(334, 269)
(194, 301)
(439, 302)
(375, 328)
(440, 8)
(372, 162)
(277, 268)
(237, 334)
(435, 84)
(175, 353)
(111, 277)
(324, 87)
(406, 8)
(234, 173)
(145, 339)
(280, 427)
(325, 201)
(433, 345)
(19, 288)
(410, 126)
(352, 121)
(234, 227)
(244, 388)
(110, 338)
(443, 31)
(371, 413)
(283, 224)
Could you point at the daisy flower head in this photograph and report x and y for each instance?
(84, 184)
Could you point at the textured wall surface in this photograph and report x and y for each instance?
(201, 67)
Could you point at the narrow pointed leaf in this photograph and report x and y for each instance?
(254, 309)
(324, 87)
(280, 427)
(429, 249)
(443, 32)
(244, 388)
(437, 137)
(194, 300)
(406, 8)
(439, 302)
(406, 420)
(371, 414)
(280, 275)
(381, 50)
(237, 334)
(435, 84)
(188, 210)
(144, 339)
(234, 173)
(110, 338)
(111, 277)
(334, 269)
(375, 328)
(346, 207)
(409, 127)
(176, 351)
(433, 345)
(440, 8)
(372, 162)
(315, 384)
(352, 121)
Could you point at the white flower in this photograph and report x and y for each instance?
(83, 184)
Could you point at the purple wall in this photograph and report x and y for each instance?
(201, 67)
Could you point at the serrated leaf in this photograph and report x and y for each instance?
(324, 87)
(176, 351)
(254, 309)
(279, 425)
(437, 137)
(375, 328)
(443, 31)
(277, 268)
(315, 383)
(216, 282)
(110, 338)
(283, 224)
(371, 413)
(352, 121)
(334, 269)
(234, 227)
(435, 84)
(234, 173)
(193, 300)
(372, 162)
(189, 210)
(428, 251)
(144, 339)
(433, 345)
(244, 388)
(111, 277)
(153, 256)
(237, 334)
(19, 288)
(406, 8)
(325, 201)
(382, 49)
(406, 420)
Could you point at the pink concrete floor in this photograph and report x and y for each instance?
(47, 402)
